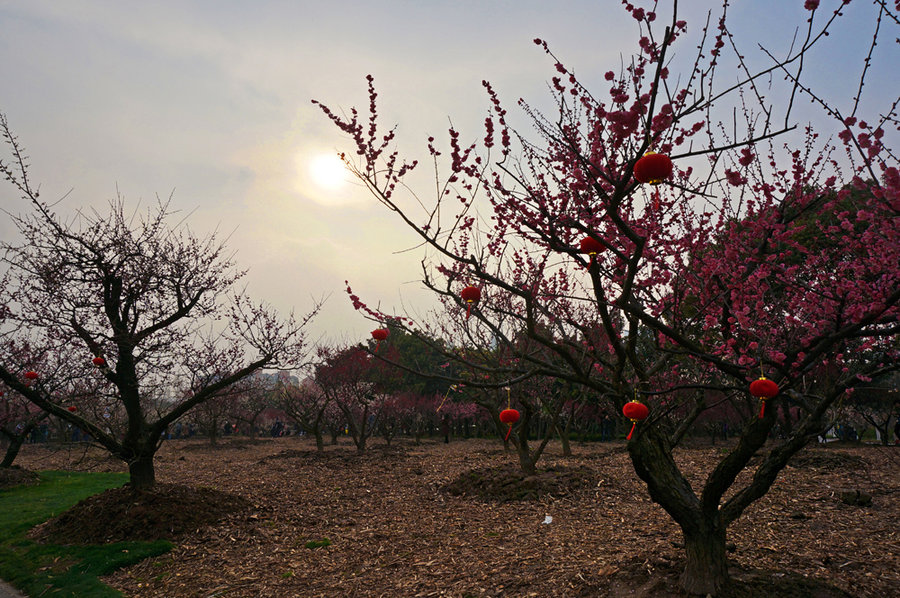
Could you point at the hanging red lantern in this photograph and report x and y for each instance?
(592, 247)
(653, 168)
(763, 389)
(72, 408)
(636, 412)
(98, 361)
(379, 335)
(509, 417)
(470, 295)
(31, 375)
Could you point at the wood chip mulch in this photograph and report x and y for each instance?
(452, 520)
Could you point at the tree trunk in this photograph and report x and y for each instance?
(564, 439)
(526, 461)
(320, 441)
(15, 443)
(706, 566)
(140, 469)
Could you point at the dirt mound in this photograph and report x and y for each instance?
(508, 483)
(16, 476)
(165, 512)
(826, 459)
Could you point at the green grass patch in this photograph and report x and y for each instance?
(313, 544)
(61, 571)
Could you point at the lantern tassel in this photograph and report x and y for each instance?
(377, 343)
(508, 432)
(633, 426)
(468, 309)
(762, 410)
(444, 399)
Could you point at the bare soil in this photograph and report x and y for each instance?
(274, 518)
(16, 476)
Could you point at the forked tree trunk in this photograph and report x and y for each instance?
(706, 569)
(706, 566)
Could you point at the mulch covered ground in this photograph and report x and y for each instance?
(457, 520)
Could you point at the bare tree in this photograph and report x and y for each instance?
(142, 313)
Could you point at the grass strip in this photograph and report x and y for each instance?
(54, 570)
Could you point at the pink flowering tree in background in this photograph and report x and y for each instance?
(152, 303)
(419, 414)
(772, 249)
(307, 405)
(359, 385)
(252, 397)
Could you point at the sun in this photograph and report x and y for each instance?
(327, 171)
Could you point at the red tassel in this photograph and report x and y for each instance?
(762, 410)
(656, 201)
(376, 345)
(469, 310)
(631, 431)
(508, 432)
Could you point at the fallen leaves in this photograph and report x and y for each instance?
(395, 531)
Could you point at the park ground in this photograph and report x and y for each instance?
(457, 520)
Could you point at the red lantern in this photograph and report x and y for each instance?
(379, 335)
(635, 411)
(98, 361)
(653, 168)
(509, 417)
(763, 389)
(30, 376)
(72, 408)
(592, 247)
(470, 295)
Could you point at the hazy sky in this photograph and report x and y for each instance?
(210, 100)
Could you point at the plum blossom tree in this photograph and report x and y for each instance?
(252, 396)
(140, 315)
(360, 386)
(307, 405)
(699, 284)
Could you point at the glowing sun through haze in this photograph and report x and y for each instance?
(328, 172)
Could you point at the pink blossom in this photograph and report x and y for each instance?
(734, 178)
